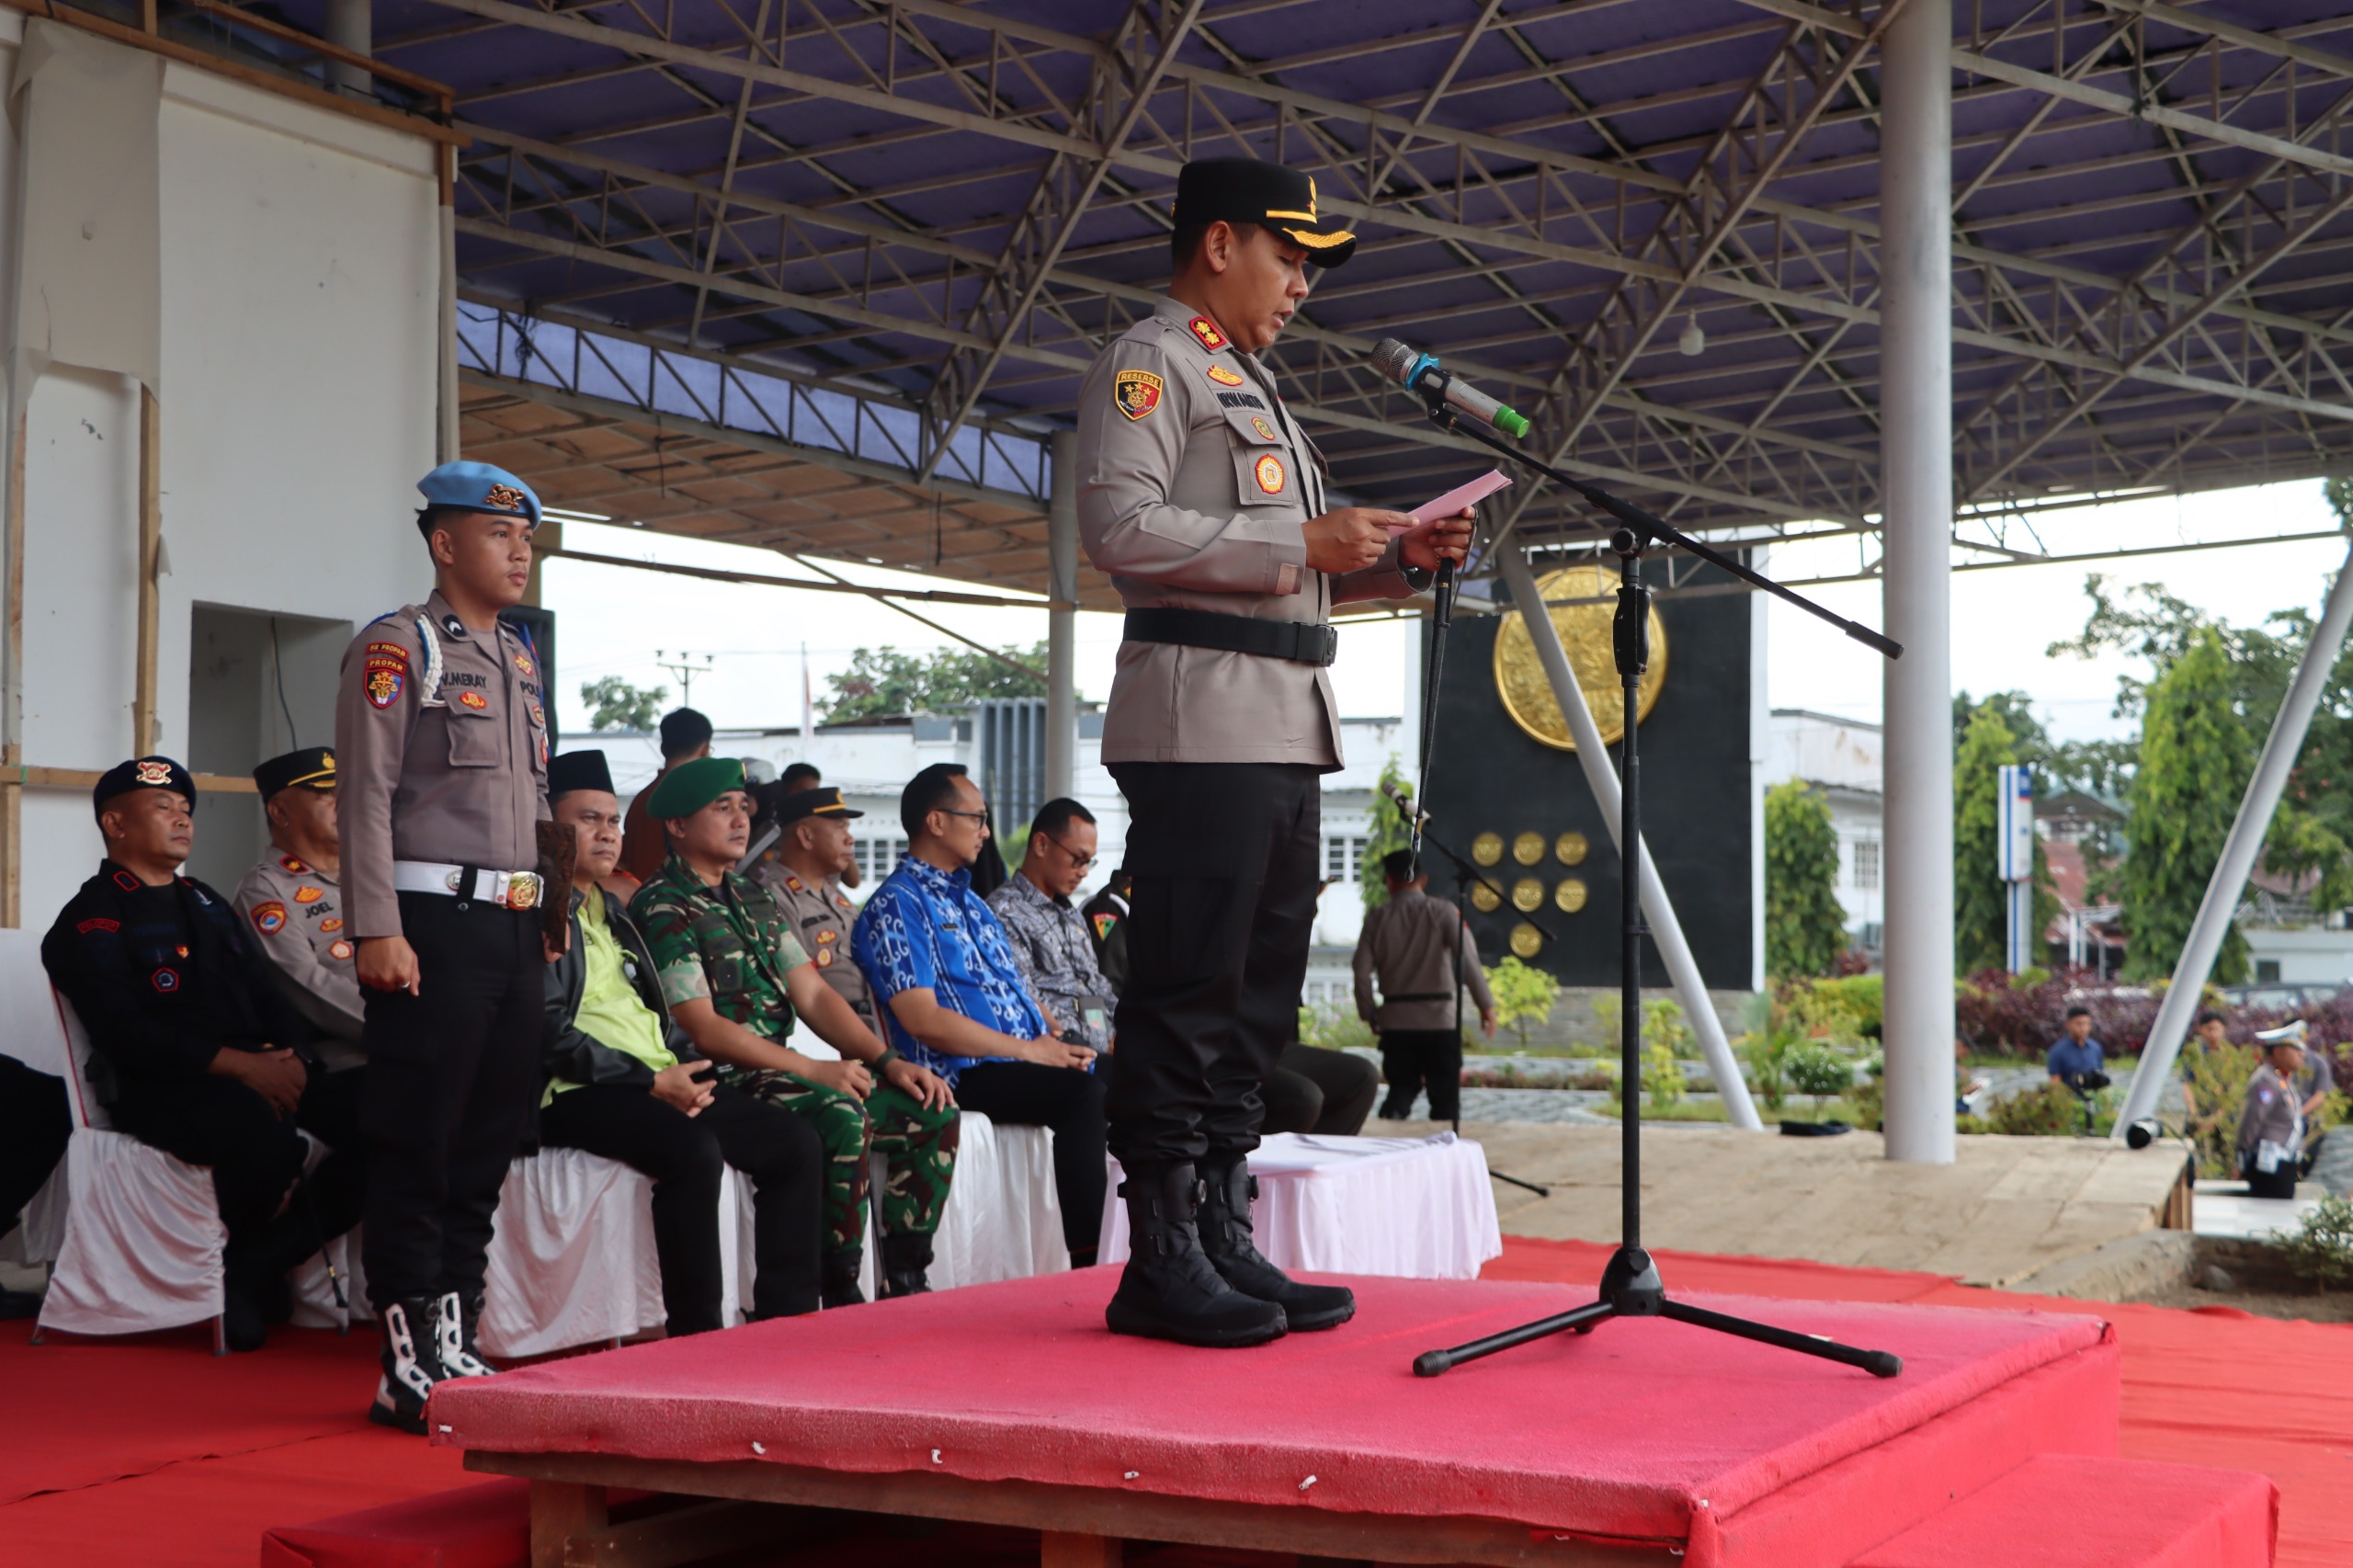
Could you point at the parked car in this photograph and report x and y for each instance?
(2275, 997)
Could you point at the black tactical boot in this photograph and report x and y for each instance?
(453, 1336)
(904, 1259)
(837, 1281)
(1168, 1289)
(1225, 1240)
(410, 1368)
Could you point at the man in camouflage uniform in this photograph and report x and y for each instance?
(813, 854)
(736, 981)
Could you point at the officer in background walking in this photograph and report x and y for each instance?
(291, 900)
(441, 731)
(1204, 499)
(1418, 949)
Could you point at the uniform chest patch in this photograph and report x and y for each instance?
(473, 700)
(1206, 330)
(1268, 473)
(270, 918)
(339, 951)
(309, 895)
(1266, 431)
(523, 663)
(1239, 400)
(330, 925)
(1223, 377)
(98, 923)
(828, 936)
(165, 981)
(1137, 393)
(824, 958)
(538, 716)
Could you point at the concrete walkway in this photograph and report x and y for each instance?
(2005, 1208)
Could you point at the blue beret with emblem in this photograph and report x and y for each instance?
(479, 487)
(142, 773)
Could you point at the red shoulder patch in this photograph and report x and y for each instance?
(1206, 330)
(98, 923)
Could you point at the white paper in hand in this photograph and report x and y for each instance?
(1462, 495)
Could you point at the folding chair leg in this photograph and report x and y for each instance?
(37, 1339)
(220, 1333)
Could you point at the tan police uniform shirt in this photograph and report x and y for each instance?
(1413, 943)
(820, 918)
(1193, 481)
(296, 911)
(457, 775)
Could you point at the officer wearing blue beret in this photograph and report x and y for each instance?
(441, 747)
(195, 1050)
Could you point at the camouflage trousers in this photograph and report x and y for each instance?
(917, 1146)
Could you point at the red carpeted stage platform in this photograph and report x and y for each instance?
(1648, 1441)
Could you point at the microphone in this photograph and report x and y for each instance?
(1405, 804)
(1416, 372)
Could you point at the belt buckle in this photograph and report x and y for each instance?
(1327, 644)
(523, 890)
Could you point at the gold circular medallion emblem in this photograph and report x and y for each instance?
(1487, 849)
(1583, 630)
(1570, 894)
(1527, 941)
(1527, 894)
(1527, 848)
(1485, 898)
(1571, 848)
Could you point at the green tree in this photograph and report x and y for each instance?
(614, 704)
(1523, 995)
(2195, 760)
(1805, 930)
(1981, 910)
(1387, 833)
(886, 681)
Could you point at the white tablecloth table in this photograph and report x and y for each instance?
(1421, 1209)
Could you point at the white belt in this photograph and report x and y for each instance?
(508, 890)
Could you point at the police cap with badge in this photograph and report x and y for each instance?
(1247, 191)
(823, 800)
(141, 773)
(476, 487)
(304, 768)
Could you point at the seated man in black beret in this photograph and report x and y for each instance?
(626, 1083)
(196, 1049)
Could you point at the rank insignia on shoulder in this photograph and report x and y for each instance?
(1206, 330)
(339, 951)
(383, 680)
(792, 883)
(126, 881)
(1269, 474)
(1266, 431)
(1137, 393)
(293, 865)
(270, 918)
(1224, 377)
(166, 979)
(309, 895)
(473, 700)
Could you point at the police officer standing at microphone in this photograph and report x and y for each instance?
(442, 737)
(1204, 501)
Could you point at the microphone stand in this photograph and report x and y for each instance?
(1631, 1284)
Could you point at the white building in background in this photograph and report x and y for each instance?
(1840, 758)
(870, 762)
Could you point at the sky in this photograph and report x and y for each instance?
(617, 621)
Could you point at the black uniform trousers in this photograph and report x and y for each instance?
(1070, 1103)
(683, 1153)
(34, 1128)
(451, 1074)
(255, 1154)
(1328, 1093)
(1411, 1059)
(1226, 857)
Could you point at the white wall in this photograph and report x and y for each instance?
(299, 273)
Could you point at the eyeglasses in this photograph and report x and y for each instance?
(1077, 862)
(981, 817)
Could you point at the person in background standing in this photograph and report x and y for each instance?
(1420, 949)
(2270, 1141)
(685, 736)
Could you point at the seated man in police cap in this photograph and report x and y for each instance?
(737, 981)
(290, 899)
(195, 1048)
(814, 852)
(626, 1083)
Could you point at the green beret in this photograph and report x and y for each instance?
(688, 787)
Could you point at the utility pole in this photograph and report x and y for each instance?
(684, 670)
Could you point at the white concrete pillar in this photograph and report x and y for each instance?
(350, 23)
(1061, 621)
(1915, 488)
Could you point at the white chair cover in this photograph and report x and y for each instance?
(572, 1261)
(1417, 1209)
(32, 1032)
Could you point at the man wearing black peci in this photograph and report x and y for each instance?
(1204, 499)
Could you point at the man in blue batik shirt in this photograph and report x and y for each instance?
(950, 994)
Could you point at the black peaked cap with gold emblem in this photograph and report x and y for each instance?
(142, 773)
(1247, 191)
(304, 768)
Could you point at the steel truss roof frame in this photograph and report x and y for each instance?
(950, 208)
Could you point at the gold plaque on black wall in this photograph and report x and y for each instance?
(1487, 849)
(1527, 848)
(1584, 629)
(1571, 848)
(1527, 894)
(1570, 895)
(1526, 941)
(1485, 898)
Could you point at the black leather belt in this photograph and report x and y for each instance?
(1301, 642)
(1420, 996)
